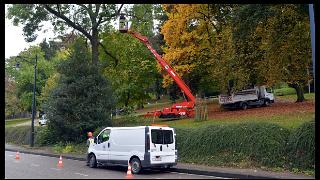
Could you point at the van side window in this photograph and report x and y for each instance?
(104, 136)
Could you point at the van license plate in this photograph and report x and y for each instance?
(157, 159)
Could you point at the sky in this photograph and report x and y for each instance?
(14, 40)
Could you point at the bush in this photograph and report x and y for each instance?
(262, 143)
(70, 148)
(44, 137)
(301, 146)
(284, 91)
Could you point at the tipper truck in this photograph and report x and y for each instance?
(257, 96)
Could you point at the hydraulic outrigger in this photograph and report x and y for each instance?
(184, 109)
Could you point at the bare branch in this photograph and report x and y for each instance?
(58, 7)
(84, 7)
(68, 21)
(105, 50)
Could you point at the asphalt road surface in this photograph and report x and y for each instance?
(43, 167)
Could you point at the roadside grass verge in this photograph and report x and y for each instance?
(291, 121)
(13, 122)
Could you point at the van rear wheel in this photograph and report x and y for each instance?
(135, 165)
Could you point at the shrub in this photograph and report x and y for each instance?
(284, 91)
(44, 137)
(301, 146)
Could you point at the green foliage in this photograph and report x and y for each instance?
(136, 71)
(87, 19)
(81, 101)
(45, 137)
(24, 76)
(284, 91)
(301, 146)
(70, 148)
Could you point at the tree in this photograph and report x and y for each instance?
(192, 33)
(136, 71)
(82, 100)
(24, 76)
(276, 45)
(87, 19)
(11, 99)
(49, 48)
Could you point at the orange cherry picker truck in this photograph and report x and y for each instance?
(178, 110)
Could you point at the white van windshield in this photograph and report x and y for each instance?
(159, 136)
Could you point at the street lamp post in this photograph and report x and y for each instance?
(33, 97)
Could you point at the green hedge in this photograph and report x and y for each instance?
(284, 91)
(260, 144)
(301, 146)
(18, 135)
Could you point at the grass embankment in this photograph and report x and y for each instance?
(13, 122)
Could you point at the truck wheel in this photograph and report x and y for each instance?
(266, 102)
(92, 161)
(135, 165)
(244, 106)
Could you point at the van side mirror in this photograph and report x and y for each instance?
(95, 140)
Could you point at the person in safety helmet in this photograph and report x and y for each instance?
(90, 139)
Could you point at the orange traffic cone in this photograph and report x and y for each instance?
(129, 174)
(17, 155)
(60, 164)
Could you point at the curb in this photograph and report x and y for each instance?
(219, 174)
(46, 154)
(179, 170)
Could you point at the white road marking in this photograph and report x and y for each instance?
(36, 165)
(81, 174)
(11, 155)
(55, 169)
(200, 175)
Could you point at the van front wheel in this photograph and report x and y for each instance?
(92, 161)
(135, 165)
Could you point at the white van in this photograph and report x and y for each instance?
(141, 146)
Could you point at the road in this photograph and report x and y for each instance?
(44, 167)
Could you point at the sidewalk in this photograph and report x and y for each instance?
(183, 167)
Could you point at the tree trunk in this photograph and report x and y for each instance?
(299, 91)
(126, 103)
(95, 47)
